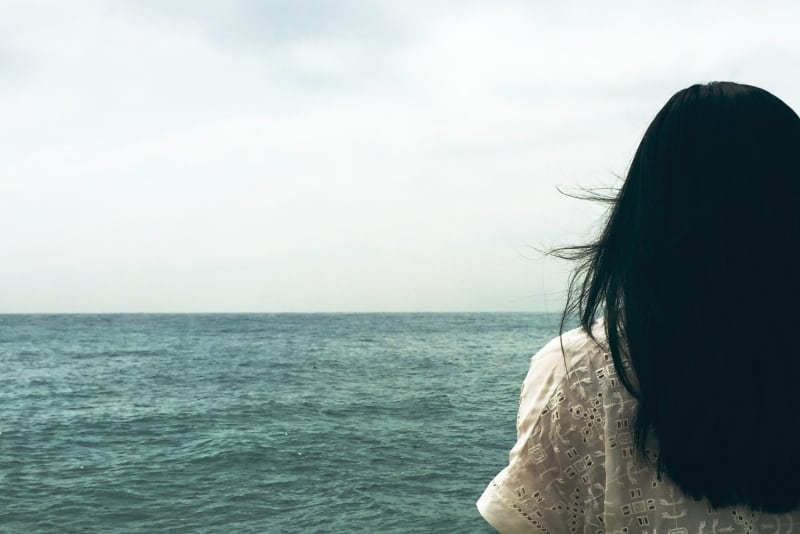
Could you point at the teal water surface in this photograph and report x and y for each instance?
(388, 423)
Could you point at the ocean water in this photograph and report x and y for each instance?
(384, 423)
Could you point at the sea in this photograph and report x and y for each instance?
(263, 423)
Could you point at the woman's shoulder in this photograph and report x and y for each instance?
(571, 359)
(577, 348)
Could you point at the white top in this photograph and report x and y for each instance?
(572, 468)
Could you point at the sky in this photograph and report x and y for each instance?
(336, 156)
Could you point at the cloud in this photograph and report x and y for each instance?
(252, 23)
(333, 155)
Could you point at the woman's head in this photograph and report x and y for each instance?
(696, 275)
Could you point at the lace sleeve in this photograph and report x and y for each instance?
(544, 487)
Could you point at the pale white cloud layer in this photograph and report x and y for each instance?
(339, 155)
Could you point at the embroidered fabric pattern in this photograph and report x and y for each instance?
(573, 467)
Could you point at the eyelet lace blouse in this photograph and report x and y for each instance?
(572, 468)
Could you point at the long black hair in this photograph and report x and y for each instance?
(696, 274)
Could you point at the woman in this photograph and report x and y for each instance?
(677, 410)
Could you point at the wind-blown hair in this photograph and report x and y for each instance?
(696, 275)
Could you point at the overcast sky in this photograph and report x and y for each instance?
(305, 155)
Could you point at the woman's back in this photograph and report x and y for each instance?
(574, 469)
